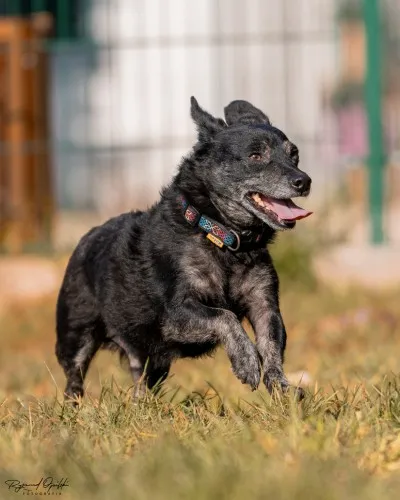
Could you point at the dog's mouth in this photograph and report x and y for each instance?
(284, 212)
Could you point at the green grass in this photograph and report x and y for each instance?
(345, 445)
(207, 436)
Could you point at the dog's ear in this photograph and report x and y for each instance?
(244, 113)
(207, 125)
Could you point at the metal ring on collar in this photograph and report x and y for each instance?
(236, 248)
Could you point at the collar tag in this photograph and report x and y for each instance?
(215, 240)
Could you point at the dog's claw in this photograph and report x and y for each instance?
(251, 379)
(275, 378)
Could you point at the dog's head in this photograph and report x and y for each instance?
(250, 168)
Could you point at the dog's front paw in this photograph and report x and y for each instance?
(246, 365)
(274, 377)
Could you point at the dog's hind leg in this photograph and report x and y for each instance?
(136, 361)
(156, 372)
(145, 371)
(75, 351)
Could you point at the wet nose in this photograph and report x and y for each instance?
(302, 183)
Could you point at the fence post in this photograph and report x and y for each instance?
(373, 103)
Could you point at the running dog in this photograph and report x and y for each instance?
(176, 280)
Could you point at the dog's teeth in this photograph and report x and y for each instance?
(261, 203)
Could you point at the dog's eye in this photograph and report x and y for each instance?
(255, 156)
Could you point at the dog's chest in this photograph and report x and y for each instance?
(220, 281)
(205, 276)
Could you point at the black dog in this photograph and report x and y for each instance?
(176, 281)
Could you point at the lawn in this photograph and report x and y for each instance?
(207, 436)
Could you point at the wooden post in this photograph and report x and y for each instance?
(25, 181)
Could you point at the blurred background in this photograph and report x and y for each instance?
(94, 104)
(94, 119)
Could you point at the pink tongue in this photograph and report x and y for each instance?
(286, 209)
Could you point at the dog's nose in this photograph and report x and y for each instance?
(302, 183)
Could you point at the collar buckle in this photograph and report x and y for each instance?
(237, 246)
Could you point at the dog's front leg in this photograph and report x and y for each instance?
(193, 322)
(271, 342)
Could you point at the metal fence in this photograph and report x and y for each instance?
(120, 74)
